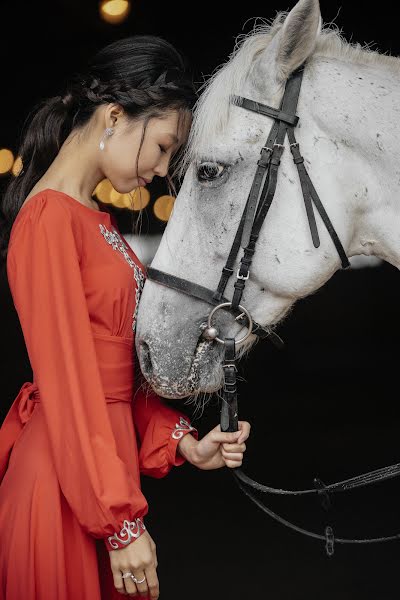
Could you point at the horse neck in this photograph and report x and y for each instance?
(356, 107)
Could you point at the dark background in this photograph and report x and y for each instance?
(326, 406)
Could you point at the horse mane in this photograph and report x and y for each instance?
(211, 112)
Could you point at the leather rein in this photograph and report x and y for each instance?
(256, 209)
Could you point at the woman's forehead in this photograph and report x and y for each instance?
(174, 125)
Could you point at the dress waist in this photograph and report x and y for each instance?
(116, 363)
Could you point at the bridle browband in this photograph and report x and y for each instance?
(256, 209)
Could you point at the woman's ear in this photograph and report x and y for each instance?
(112, 114)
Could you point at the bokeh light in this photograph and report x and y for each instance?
(6, 161)
(114, 11)
(163, 207)
(136, 200)
(140, 198)
(17, 166)
(103, 191)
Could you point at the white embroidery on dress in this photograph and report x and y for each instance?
(140, 279)
(130, 530)
(115, 240)
(180, 427)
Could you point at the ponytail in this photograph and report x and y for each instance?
(43, 138)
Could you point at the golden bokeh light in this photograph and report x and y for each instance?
(137, 199)
(163, 207)
(120, 200)
(140, 198)
(114, 11)
(17, 166)
(103, 191)
(6, 160)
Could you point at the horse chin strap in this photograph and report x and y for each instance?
(256, 209)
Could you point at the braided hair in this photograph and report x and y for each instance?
(144, 74)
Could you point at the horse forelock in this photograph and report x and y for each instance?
(212, 111)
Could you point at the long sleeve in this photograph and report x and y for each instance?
(44, 274)
(160, 428)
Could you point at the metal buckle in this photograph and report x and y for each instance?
(225, 366)
(244, 277)
(244, 310)
(329, 541)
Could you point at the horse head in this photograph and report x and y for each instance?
(348, 139)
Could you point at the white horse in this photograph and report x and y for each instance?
(349, 132)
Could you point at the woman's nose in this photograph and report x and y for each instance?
(162, 168)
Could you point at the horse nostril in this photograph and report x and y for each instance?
(145, 359)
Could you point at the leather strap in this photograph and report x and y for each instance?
(268, 111)
(309, 194)
(202, 293)
(229, 408)
(324, 538)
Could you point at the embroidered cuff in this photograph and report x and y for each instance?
(182, 428)
(129, 532)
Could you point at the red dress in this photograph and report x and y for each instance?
(75, 441)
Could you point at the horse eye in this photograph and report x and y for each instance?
(208, 171)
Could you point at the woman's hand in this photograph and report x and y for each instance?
(140, 559)
(216, 449)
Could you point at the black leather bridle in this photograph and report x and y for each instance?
(258, 203)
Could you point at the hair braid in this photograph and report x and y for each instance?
(144, 74)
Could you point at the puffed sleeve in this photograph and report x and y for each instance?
(160, 428)
(43, 268)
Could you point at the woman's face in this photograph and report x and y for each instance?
(119, 160)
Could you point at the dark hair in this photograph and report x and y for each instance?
(144, 74)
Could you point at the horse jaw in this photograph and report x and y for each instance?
(174, 357)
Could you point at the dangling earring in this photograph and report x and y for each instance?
(107, 132)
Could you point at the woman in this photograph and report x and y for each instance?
(76, 439)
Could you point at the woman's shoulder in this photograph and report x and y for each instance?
(47, 204)
(45, 208)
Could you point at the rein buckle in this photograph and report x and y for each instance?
(244, 277)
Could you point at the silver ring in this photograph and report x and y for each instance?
(138, 580)
(246, 312)
(125, 575)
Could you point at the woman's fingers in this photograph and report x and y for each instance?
(130, 585)
(148, 588)
(233, 464)
(234, 447)
(141, 588)
(152, 583)
(119, 583)
(244, 427)
(235, 456)
(230, 437)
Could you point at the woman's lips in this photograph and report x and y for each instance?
(145, 181)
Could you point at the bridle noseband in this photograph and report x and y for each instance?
(256, 209)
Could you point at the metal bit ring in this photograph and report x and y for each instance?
(244, 310)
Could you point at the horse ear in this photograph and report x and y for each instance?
(297, 37)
